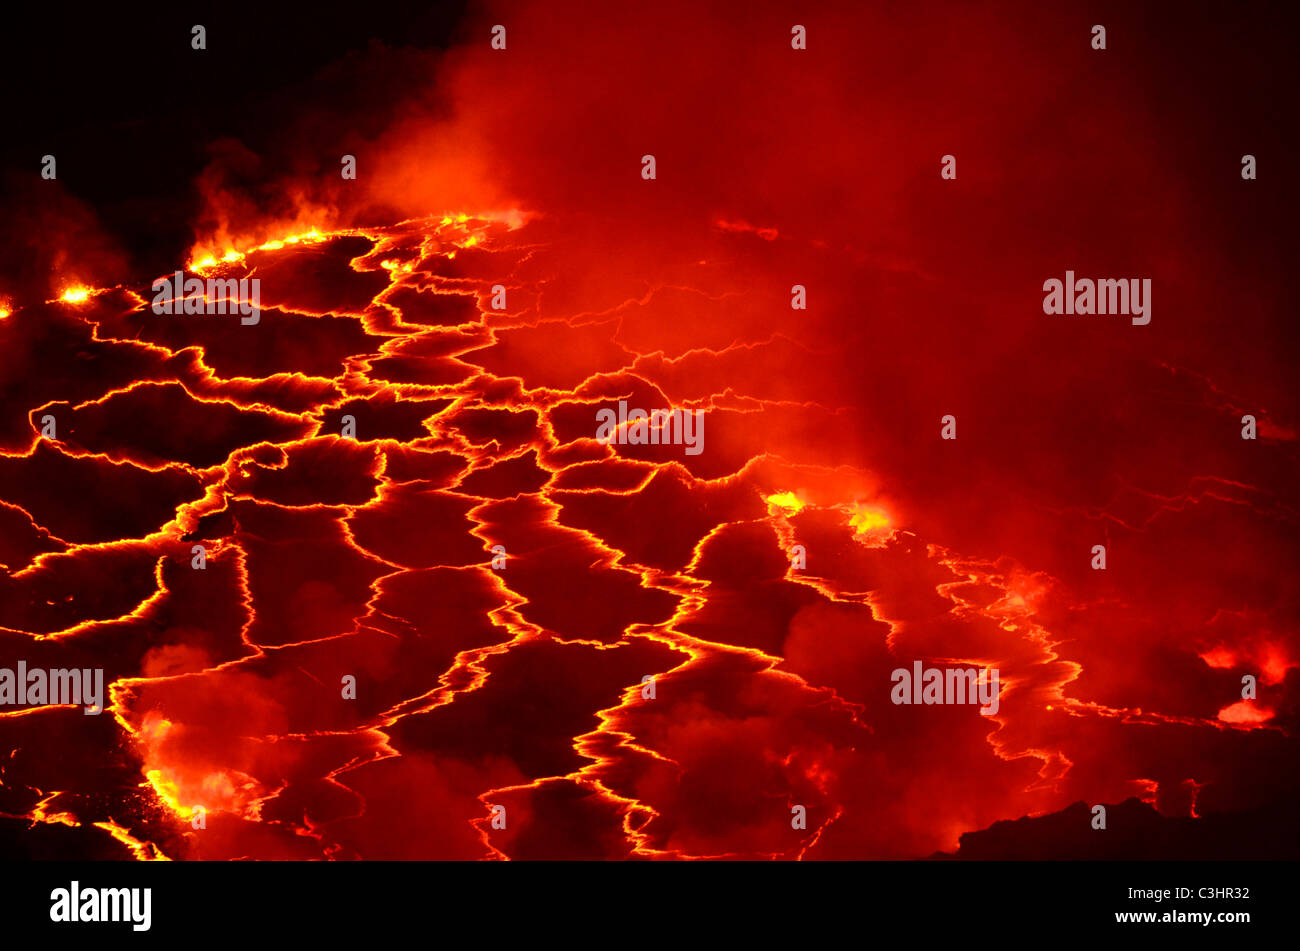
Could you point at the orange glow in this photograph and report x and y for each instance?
(679, 653)
(1219, 658)
(1024, 592)
(183, 786)
(1275, 663)
(218, 791)
(1271, 658)
(870, 520)
(143, 851)
(222, 249)
(42, 813)
(1245, 713)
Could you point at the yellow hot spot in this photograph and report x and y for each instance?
(311, 236)
(786, 503)
(277, 244)
(76, 295)
(867, 518)
(473, 240)
(4, 312)
(168, 791)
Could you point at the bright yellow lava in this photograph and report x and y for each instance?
(784, 503)
(311, 237)
(866, 519)
(168, 791)
(75, 295)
